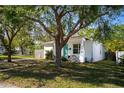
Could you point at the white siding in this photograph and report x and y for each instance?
(82, 51)
(70, 45)
(93, 50)
(39, 54)
(98, 52)
(88, 50)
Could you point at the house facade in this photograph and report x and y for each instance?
(80, 48)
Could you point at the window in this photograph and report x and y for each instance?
(76, 48)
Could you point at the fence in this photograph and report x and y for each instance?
(118, 55)
(39, 54)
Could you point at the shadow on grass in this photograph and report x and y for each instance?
(96, 74)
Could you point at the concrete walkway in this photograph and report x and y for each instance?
(16, 60)
(2, 85)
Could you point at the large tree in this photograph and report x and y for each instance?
(61, 22)
(23, 40)
(10, 24)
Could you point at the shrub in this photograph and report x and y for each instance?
(64, 59)
(49, 55)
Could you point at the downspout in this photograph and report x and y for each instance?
(92, 47)
(82, 51)
(92, 52)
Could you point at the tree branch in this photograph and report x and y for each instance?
(7, 33)
(4, 44)
(74, 30)
(19, 28)
(42, 24)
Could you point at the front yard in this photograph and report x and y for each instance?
(41, 74)
(4, 57)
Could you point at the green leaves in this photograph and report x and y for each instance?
(116, 42)
(10, 15)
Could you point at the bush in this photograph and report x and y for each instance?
(110, 55)
(49, 55)
(64, 59)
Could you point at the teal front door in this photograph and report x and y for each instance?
(65, 51)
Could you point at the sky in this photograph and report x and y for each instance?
(120, 19)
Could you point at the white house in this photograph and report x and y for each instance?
(82, 48)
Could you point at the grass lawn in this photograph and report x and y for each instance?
(40, 74)
(2, 57)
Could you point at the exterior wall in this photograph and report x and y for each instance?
(82, 51)
(39, 54)
(88, 46)
(94, 51)
(98, 52)
(70, 45)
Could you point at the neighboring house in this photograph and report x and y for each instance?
(39, 51)
(1, 48)
(81, 48)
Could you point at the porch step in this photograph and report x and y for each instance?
(73, 58)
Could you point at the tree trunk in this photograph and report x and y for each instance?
(58, 53)
(22, 50)
(9, 52)
(9, 55)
